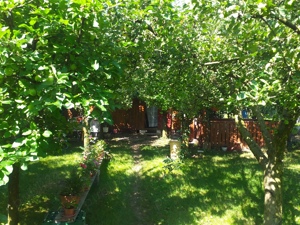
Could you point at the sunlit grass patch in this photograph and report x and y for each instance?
(212, 187)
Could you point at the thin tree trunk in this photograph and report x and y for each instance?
(13, 196)
(273, 193)
(85, 130)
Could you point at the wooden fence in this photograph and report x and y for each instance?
(131, 119)
(223, 132)
(135, 118)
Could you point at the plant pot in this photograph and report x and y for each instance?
(69, 212)
(224, 148)
(105, 129)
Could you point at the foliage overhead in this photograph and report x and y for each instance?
(54, 55)
(225, 54)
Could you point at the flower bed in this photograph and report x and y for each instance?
(81, 180)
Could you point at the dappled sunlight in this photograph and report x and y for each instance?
(211, 184)
(292, 160)
(247, 155)
(291, 188)
(60, 161)
(160, 142)
(218, 188)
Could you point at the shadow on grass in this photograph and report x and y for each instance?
(40, 186)
(109, 201)
(218, 188)
(291, 186)
(206, 187)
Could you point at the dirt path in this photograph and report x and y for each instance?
(136, 195)
(137, 142)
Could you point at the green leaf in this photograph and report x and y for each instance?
(9, 168)
(241, 96)
(47, 133)
(69, 105)
(17, 143)
(108, 76)
(24, 166)
(103, 109)
(95, 65)
(6, 102)
(85, 102)
(28, 28)
(26, 133)
(43, 68)
(21, 106)
(264, 81)
(4, 31)
(6, 146)
(65, 22)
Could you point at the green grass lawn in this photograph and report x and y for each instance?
(216, 188)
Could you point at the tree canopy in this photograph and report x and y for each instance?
(79, 53)
(54, 55)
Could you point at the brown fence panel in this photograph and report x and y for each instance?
(223, 132)
(132, 119)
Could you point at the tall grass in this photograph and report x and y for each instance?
(216, 188)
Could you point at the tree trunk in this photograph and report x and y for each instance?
(272, 165)
(85, 131)
(13, 196)
(273, 171)
(273, 193)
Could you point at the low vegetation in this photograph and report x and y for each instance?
(212, 188)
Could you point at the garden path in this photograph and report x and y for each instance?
(136, 143)
(136, 195)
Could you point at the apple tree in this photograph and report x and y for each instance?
(54, 55)
(229, 54)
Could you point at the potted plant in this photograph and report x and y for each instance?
(72, 189)
(70, 208)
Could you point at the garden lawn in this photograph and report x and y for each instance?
(215, 188)
(40, 186)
